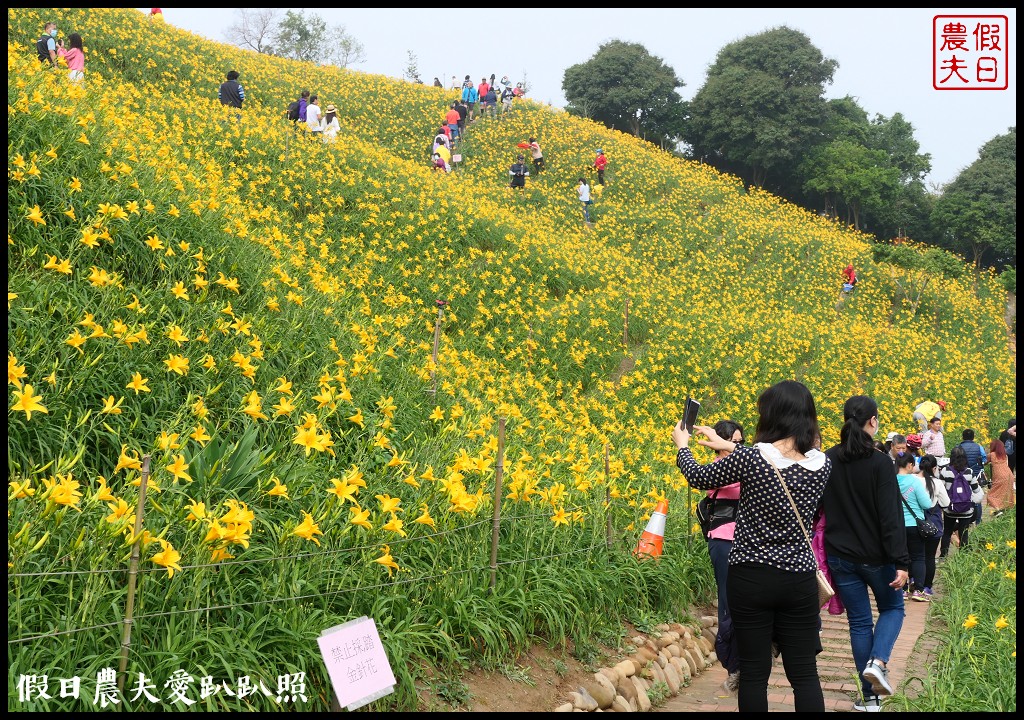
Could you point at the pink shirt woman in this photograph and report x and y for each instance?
(74, 56)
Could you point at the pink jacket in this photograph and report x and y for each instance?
(74, 57)
(835, 605)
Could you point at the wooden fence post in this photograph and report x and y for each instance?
(499, 468)
(133, 573)
(607, 500)
(625, 326)
(437, 344)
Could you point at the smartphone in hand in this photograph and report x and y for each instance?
(690, 412)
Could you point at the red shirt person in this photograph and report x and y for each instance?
(849, 275)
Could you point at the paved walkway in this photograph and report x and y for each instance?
(835, 667)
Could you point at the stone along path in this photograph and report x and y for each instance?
(835, 667)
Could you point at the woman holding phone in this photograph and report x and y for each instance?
(772, 588)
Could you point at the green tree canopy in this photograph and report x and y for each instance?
(625, 87)
(763, 104)
(978, 210)
(857, 175)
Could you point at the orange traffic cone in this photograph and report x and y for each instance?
(653, 537)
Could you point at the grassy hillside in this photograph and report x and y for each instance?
(256, 312)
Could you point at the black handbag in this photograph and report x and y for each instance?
(713, 513)
(925, 528)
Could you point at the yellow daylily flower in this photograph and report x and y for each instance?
(386, 560)
(179, 469)
(308, 529)
(28, 402)
(138, 384)
(168, 558)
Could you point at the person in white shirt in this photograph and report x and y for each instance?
(584, 193)
(313, 115)
(330, 125)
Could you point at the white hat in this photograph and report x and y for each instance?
(890, 436)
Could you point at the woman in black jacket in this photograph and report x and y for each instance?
(866, 545)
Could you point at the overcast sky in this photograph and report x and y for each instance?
(885, 56)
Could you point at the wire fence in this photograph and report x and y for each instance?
(278, 558)
(311, 596)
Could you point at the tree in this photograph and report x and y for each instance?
(254, 29)
(623, 86)
(412, 70)
(848, 171)
(302, 37)
(978, 210)
(762, 106)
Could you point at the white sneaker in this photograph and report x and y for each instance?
(871, 703)
(878, 676)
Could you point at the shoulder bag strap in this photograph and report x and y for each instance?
(910, 509)
(793, 504)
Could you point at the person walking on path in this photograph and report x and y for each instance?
(1000, 495)
(929, 468)
(933, 442)
(724, 504)
(1009, 440)
(964, 491)
(916, 503)
(600, 163)
(772, 586)
(866, 545)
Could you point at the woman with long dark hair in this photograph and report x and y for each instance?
(929, 468)
(1000, 495)
(866, 545)
(772, 588)
(724, 504)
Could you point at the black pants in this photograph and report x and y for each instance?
(766, 604)
(930, 546)
(538, 164)
(951, 524)
(600, 177)
(915, 546)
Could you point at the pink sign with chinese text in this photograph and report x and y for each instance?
(970, 52)
(356, 661)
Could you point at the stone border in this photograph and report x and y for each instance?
(673, 655)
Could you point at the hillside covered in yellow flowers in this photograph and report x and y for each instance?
(256, 313)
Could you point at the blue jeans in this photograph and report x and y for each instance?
(852, 580)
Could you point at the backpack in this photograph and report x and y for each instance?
(293, 110)
(42, 48)
(960, 495)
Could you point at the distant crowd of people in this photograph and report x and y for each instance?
(879, 512)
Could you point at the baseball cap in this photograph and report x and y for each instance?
(890, 436)
(941, 404)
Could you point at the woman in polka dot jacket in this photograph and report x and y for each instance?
(772, 590)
